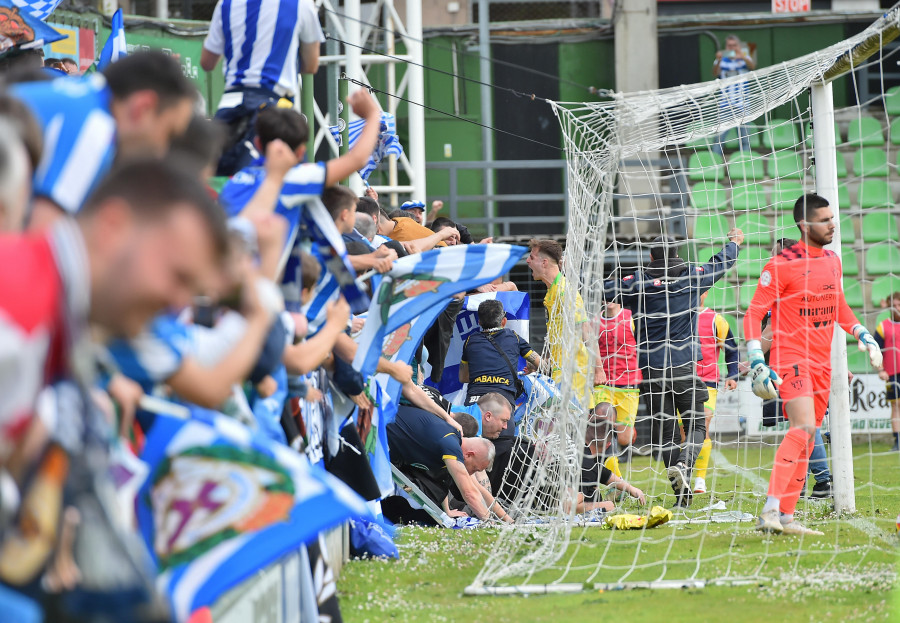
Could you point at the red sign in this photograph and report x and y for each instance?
(790, 6)
(86, 48)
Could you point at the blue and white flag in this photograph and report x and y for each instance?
(517, 307)
(38, 9)
(316, 224)
(388, 144)
(222, 502)
(417, 283)
(114, 48)
(24, 27)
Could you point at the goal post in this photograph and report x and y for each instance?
(825, 158)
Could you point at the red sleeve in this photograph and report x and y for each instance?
(767, 292)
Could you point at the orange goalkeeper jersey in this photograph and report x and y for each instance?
(802, 287)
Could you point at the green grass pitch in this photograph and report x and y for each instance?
(847, 574)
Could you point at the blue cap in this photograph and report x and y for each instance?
(411, 205)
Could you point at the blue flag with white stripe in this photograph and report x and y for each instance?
(222, 502)
(517, 308)
(114, 48)
(388, 143)
(38, 9)
(417, 283)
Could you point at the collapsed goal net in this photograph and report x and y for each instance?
(693, 162)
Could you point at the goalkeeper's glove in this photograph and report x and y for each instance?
(868, 343)
(762, 378)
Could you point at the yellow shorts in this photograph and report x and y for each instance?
(709, 404)
(624, 399)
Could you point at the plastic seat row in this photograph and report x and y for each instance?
(713, 196)
(712, 228)
(728, 297)
(864, 131)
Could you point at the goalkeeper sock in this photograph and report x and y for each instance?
(771, 504)
(703, 459)
(786, 458)
(796, 483)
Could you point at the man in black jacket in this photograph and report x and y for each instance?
(664, 298)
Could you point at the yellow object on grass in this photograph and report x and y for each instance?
(658, 516)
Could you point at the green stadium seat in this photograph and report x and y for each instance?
(786, 165)
(892, 101)
(780, 134)
(785, 195)
(848, 232)
(704, 253)
(853, 293)
(839, 163)
(710, 229)
(882, 259)
(879, 227)
(748, 288)
(785, 227)
(870, 162)
(748, 197)
(706, 165)
(757, 229)
(733, 142)
(858, 361)
(722, 297)
(881, 288)
(843, 197)
(751, 260)
(709, 196)
(849, 262)
(865, 132)
(698, 143)
(875, 193)
(746, 165)
(895, 132)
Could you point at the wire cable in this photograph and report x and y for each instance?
(372, 89)
(537, 72)
(530, 96)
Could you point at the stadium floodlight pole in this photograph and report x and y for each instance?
(825, 154)
(487, 104)
(416, 93)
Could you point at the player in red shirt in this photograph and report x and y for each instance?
(802, 287)
(887, 335)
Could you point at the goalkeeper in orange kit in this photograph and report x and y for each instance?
(802, 287)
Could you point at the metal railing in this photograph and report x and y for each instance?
(502, 223)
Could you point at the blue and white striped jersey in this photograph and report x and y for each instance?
(733, 95)
(79, 136)
(260, 39)
(302, 183)
(156, 354)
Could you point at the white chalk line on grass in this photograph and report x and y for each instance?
(760, 486)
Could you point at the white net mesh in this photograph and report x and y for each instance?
(692, 162)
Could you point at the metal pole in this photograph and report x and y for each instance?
(839, 404)
(332, 73)
(353, 30)
(416, 91)
(391, 68)
(162, 9)
(487, 104)
(308, 108)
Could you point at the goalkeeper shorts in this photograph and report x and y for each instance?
(802, 379)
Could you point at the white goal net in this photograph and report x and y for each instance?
(691, 163)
